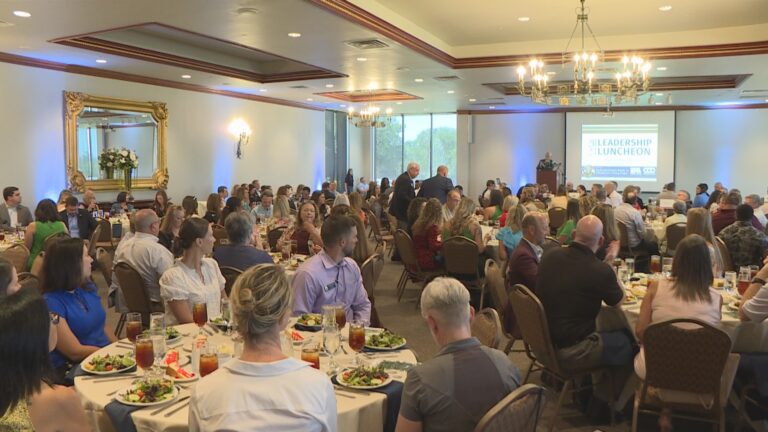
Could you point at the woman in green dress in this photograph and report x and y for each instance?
(46, 224)
(494, 210)
(572, 214)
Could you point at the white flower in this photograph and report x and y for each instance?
(133, 156)
(124, 153)
(109, 164)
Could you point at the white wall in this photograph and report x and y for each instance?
(287, 144)
(360, 156)
(507, 146)
(728, 145)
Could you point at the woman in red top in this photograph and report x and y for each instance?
(426, 230)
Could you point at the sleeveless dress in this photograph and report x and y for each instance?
(497, 214)
(17, 419)
(43, 230)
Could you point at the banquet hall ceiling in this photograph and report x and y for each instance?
(477, 45)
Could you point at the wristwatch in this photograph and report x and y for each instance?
(757, 280)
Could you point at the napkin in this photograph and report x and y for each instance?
(120, 415)
(312, 329)
(380, 351)
(394, 392)
(74, 372)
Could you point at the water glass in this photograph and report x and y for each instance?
(157, 336)
(630, 263)
(666, 266)
(731, 279)
(157, 320)
(226, 314)
(331, 343)
(623, 275)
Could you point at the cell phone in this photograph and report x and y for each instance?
(498, 180)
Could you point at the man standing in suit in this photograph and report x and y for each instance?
(401, 197)
(12, 213)
(437, 186)
(80, 222)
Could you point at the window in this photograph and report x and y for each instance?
(429, 140)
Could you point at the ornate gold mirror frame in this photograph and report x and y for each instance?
(74, 103)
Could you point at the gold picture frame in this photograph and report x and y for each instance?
(75, 103)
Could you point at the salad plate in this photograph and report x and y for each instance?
(149, 393)
(108, 364)
(384, 341)
(364, 378)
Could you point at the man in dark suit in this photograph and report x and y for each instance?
(523, 263)
(12, 214)
(80, 222)
(403, 194)
(437, 186)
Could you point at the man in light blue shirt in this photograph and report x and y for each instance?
(331, 277)
(263, 210)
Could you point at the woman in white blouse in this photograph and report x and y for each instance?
(263, 389)
(193, 278)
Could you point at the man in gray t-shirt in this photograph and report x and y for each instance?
(455, 389)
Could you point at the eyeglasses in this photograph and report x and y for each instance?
(54, 318)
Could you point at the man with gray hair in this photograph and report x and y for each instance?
(452, 391)
(404, 192)
(240, 252)
(756, 203)
(146, 255)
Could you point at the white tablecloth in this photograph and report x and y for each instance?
(363, 413)
(492, 246)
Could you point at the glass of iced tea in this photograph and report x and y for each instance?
(357, 338)
(132, 325)
(341, 315)
(655, 264)
(209, 359)
(200, 315)
(145, 354)
(745, 276)
(310, 353)
(294, 247)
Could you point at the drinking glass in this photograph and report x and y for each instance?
(209, 359)
(145, 356)
(341, 315)
(666, 266)
(2, 236)
(294, 247)
(655, 264)
(623, 275)
(132, 325)
(329, 314)
(226, 313)
(200, 316)
(745, 275)
(356, 339)
(310, 353)
(157, 335)
(731, 280)
(286, 250)
(310, 245)
(630, 263)
(157, 320)
(331, 343)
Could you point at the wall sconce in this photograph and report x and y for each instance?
(240, 129)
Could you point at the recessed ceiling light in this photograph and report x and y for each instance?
(263, 90)
(451, 92)
(665, 8)
(294, 35)
(246, 11)
(186, 76)
(22, 14)
(362, 59)
(342, 106)
(491, 107)
(766, 100)
(400, 103)
(659, 103)
(659, 94)
(309, 99)
(418, 80)
(524, 19)
(473, 100)
(102, 61)
(329, 86)
(661, 68)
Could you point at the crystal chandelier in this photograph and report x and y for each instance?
(586, 88)
(370, 115)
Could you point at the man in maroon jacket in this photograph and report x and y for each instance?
(523, 264)
(726, 214)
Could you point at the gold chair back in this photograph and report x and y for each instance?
(230, 276)
(486, 327)
(519, 411)
(17, 254)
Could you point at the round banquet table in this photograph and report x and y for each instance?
(364, 411)
(746, 336)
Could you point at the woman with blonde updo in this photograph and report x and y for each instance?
(233, 397)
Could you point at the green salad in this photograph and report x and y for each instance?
(170, 333)
(310, 320)
(108, 363)
(154, 390)
(363, 376)
(385, 339)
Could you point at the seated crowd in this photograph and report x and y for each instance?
(174, 250)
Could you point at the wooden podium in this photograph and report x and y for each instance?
(550, 178)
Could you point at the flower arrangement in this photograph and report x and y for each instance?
(107, 159)
(118, 159)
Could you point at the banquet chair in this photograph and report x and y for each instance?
(17, 254)
(625, 250)
(230, 276)
(101, 236)
(135, 293)
(540, 205)
(519, 411)
(371, 270)
(273, 236)
(724, 254)
(486, 327)
(539, 348)
(696, 393)
(28, 280)
(550, 242)
(460, 258)
(382, 239)
(674, 233)
(37, 264)
(494, 283)
(54, 238)
(556, 218)
(750, 387)
(104, 259)
(220, 234)
(411, 269)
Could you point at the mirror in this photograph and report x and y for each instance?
(114, 144)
